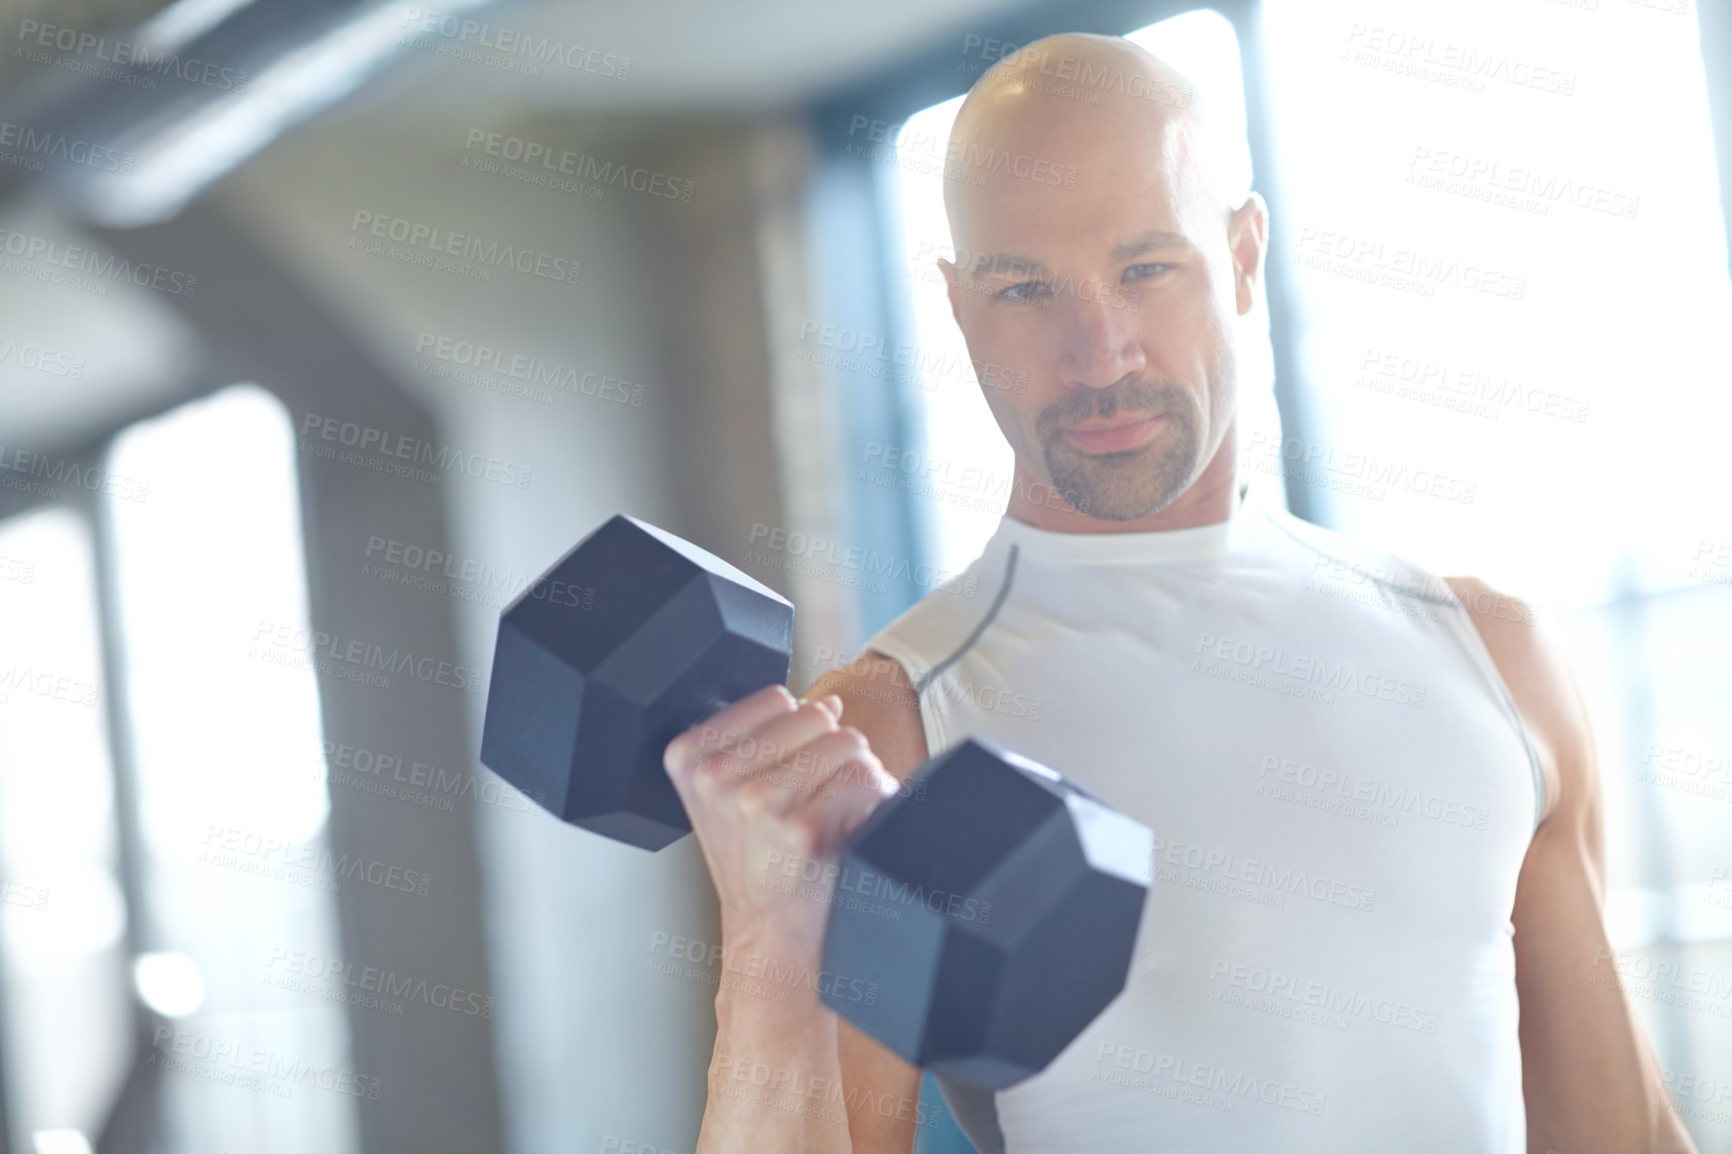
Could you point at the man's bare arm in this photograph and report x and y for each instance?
(769, 781)
(882, 1091)
(1588, 1075)
(773, 788)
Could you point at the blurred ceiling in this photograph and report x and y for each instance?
(382, 60)
(714, 56)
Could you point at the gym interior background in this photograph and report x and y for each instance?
(327, 325)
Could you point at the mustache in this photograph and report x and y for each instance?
(1153, 397)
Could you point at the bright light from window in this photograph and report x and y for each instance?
(1516, 292)
(228, 764)
(63, 918)
(213, 556)
(60, 1142)
(169, 983)
(56, 783)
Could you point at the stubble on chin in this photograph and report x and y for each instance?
(1132, 484)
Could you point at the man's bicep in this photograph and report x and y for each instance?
(1588, 1075)
(880, 1090)
(878, 701)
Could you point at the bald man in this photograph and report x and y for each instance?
(1376, 922)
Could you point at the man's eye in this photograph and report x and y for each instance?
(1145, 271)
(1027, 290)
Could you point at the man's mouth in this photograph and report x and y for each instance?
(1120, 434)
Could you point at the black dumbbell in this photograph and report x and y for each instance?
(993, 904)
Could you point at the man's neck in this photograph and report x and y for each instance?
(1208, 501)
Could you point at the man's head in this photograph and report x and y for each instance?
(1107, 244)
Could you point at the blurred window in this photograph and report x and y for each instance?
(67, 1037)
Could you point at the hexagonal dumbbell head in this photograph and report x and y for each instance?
(995, 905)
(632, 637)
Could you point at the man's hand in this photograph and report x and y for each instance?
(771, 780)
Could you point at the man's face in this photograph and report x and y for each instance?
(1115, 297)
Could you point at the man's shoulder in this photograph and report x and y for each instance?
(879, 701)
(1537, 674)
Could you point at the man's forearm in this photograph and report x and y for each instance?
(775, 1081)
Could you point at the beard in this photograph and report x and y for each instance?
(1137, 482)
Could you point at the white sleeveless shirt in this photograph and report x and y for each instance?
(1341, 794)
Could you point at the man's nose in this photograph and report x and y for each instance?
(1101, 346)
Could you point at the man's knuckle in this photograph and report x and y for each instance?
(710, 774)
(802, 833)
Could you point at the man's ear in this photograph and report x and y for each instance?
(1248, 238)
(952, 288)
